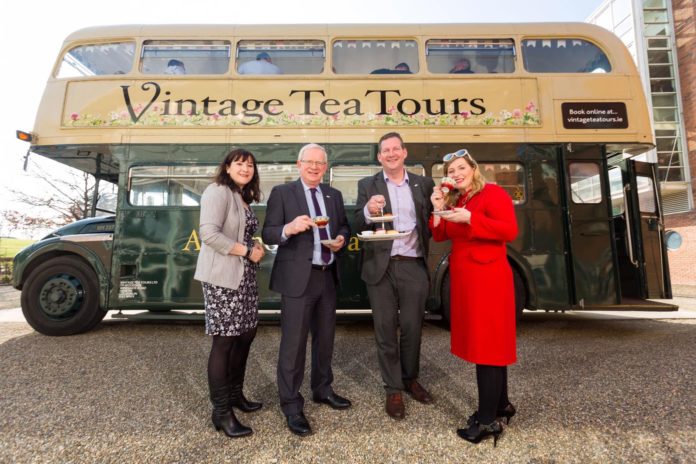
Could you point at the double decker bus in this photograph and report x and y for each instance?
(554, 113)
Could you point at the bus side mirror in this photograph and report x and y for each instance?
(673, 239)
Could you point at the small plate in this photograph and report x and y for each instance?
(377, 237)
(328, 241)
(444, 212)
(382, 218)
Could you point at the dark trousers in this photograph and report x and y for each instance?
(492, 391)
(398, 307)
(228, 358)
(315, 312)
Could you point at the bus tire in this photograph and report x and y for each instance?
(520, 294)
(61, 297)
(445, 299)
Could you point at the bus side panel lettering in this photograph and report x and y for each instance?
(193, 240)
(429, 107)
(206, 101)
(180, 107)
(252, 105)
(416, 106)
(382, 99)
(126, 97)
(475, 104)
(354, 110)
(270, 104)
(307, 98)
(456, 103)
(230, 110)
(354, 244)
(327, 102)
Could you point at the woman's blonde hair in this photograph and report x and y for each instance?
(477, 181)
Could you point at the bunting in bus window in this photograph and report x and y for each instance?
(178, 57)
(568, 55)
(375, 56)
(470, 56)
(259, 57)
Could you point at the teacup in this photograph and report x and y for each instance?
(321, 221)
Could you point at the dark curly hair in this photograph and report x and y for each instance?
(251, 192)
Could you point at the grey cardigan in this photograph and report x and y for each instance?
(222, 224)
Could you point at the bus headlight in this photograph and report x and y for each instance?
(673, 240)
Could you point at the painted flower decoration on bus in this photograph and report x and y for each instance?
(528, 116)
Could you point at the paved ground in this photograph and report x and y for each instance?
(589, 388)
(9, 297)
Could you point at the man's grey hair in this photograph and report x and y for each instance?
(310, 146)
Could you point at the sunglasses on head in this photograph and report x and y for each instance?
(456, 154)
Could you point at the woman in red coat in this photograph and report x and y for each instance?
(481, 221)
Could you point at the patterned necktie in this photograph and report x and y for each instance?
(323, 234)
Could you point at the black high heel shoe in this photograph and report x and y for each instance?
(507, 412)
(478, 432)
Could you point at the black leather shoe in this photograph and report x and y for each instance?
(298, 424)
(335, 401)
(478, 432)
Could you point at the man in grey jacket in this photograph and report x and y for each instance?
(395, 271)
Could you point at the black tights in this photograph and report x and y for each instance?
(492, 391)
(228, 357)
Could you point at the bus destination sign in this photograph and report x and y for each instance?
(594, 115)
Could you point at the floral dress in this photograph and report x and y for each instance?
(231, 312)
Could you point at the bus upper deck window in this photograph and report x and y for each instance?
(178, 57)
(259, 57)
(97, 60)
(470, 56)
(563, 56)
(375, 57)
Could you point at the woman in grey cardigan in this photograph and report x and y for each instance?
(226, 267)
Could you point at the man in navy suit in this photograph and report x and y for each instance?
(305, 273)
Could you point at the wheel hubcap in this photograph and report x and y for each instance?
(61, 296)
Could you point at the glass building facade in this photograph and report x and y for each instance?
(647, 29)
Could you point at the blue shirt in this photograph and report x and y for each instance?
(402, 206)
(316, 255)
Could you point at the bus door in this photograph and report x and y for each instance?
(590, 253)
(156, 242)
(645, 229)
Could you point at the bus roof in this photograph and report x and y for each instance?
(344, 30)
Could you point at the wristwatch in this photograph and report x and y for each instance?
(248, 253)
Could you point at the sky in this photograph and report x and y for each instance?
(32, 32)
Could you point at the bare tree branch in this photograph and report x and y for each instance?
(70, 198)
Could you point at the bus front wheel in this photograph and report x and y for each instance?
(520, 296)
(61, 297)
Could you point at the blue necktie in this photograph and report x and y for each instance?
(323, 234)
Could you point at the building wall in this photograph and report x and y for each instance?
(683, 261)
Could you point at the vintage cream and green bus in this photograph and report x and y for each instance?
(554, 113)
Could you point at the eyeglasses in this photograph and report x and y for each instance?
(314, 163)
(457, 154)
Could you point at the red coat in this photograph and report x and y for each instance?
(482, 308)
